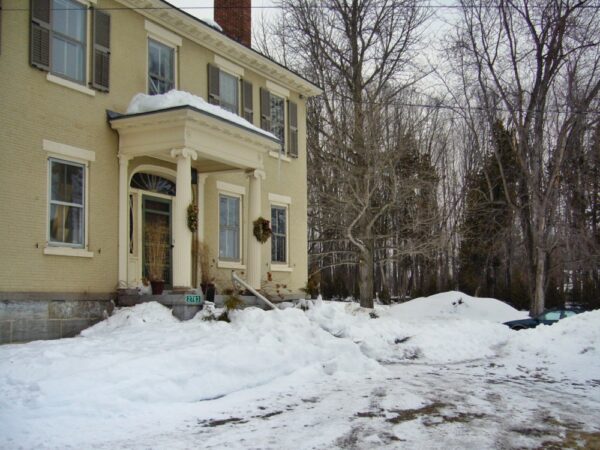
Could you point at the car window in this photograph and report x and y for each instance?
(569, 313)
(550, 315)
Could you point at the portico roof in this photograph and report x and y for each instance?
(220, 144)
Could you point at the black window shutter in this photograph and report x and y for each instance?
(293, 128)
(101, 51)
(265, 109)
(247, 101)
(214, 89)
(40, 34)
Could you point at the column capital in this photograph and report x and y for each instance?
(257, 173)
(184, 153)
(124, 158)
(202, 177)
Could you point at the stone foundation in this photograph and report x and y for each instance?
(28, 317)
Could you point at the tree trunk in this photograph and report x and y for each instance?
(365, 274)
(537, 305)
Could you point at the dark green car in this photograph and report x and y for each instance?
(546, 318)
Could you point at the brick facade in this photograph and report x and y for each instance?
(235, 17)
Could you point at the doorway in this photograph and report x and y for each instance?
(156, 213)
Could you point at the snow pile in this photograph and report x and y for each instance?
(144, 314)
(141, 103)
(568, 349)
(140, 361)
(455, 304)
(387, 339)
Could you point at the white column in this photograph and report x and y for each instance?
(182, 236)
(200, 196)
(254, 262)
(123, 219)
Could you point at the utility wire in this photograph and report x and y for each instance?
(323, 7)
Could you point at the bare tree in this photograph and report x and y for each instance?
(358, 51)
(537, 67)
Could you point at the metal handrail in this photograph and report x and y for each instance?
(235, 278)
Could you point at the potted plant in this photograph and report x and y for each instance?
(157, 252)
(206, 279)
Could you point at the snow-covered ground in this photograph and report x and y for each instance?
(437, 372)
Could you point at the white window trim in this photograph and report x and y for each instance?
(229, 67)
(278, 90)
(68, 251)
(230, 265)
(70, 84)
(276, 155)
(61, 152)
(230, 190)
(68, 152)
(163, 35)
(282, 201)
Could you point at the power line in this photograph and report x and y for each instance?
(281, 7)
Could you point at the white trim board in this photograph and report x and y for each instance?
(162, 34)
(228, 187)
(68, 150)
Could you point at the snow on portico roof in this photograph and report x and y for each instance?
(143, 103)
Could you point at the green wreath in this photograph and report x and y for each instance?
(262, 230)
(192, 217)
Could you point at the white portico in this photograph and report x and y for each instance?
(190, 139)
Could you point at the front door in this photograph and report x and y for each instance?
(156, 232)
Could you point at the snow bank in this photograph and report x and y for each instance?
(455, 304)
(388, 340)
(141, 103)
(567, 349)
(140, 360)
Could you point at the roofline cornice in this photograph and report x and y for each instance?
(203, 34)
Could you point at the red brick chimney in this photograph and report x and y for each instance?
(235, 17)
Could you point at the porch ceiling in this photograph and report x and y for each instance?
(219, 143)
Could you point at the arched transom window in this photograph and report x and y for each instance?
(152, 183)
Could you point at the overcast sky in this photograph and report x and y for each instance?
(204, 8)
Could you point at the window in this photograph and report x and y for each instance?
(229, 92)
(67, 203)
(278, 118)
(272, 118)
(229, 227)
(224, 91)
(68, 39)
(279, 237)
(161, 67)
(58, 43)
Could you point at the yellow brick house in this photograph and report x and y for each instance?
(86, 170)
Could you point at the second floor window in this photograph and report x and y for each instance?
(229, 92)
(161, 68)
(68, 40)
(278, 118)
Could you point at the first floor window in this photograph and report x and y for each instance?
(229, 227)
(161, 68)
(279, 236)
(67, 203)
(68, 39)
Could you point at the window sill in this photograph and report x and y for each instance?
(281, 268)
(70, 84)
(68, 251)
(230, 265)
(276, 155)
